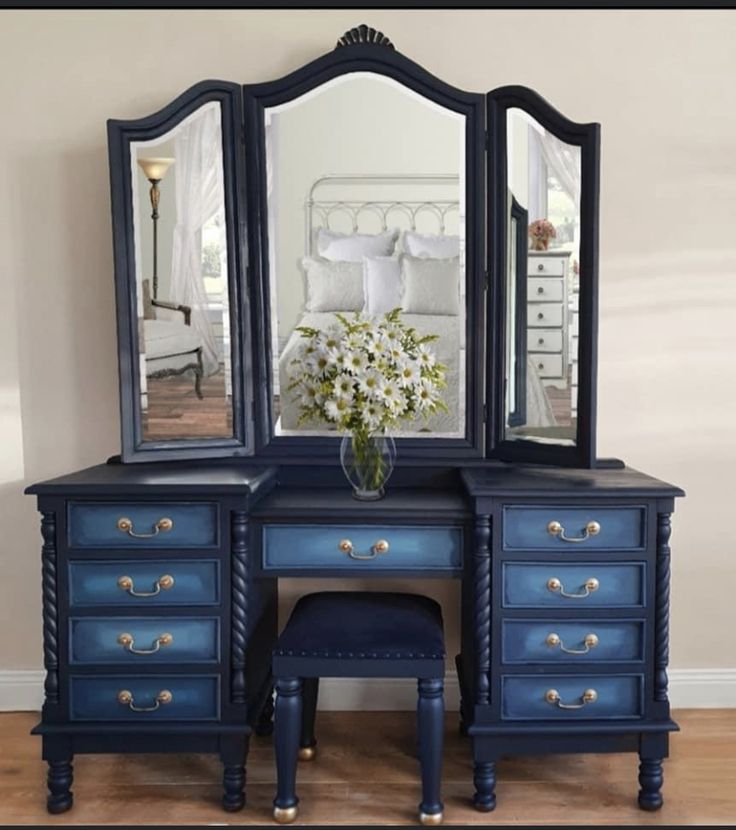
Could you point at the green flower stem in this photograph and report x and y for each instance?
(369, 463)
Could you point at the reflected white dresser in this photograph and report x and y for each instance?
(548, 334)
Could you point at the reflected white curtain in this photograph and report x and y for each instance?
(199, 196)
(563, 161)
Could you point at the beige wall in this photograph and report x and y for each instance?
(661, 84)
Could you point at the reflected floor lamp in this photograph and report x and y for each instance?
(154, 170)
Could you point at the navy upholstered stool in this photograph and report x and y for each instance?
(358, 634)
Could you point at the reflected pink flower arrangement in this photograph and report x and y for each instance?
(540, 233)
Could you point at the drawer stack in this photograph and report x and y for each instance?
(144, 612)
(547, 315)
(572, 600)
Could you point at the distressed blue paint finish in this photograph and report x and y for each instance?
(95, 640)
(317, 546)
(196, 582)
(621, 585)
(195, 698)
(525, 528)
(523, 697)
(525, 641)
(95, 525)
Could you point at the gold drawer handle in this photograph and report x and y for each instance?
(125, 525)
(555, 585)
(553, 697)
(163, 583)
(590, 641)
(125, 698)
(127, 642)
(555, 528)
(346, 546)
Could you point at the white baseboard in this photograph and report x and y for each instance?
(22, 691)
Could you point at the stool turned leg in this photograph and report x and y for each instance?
(286, 741)
(431, 728)
(484, 778)
(59, 781)
(307, 742)
(651, 779)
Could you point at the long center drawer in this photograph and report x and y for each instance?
(365, 547)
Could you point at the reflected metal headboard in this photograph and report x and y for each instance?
(319, 211)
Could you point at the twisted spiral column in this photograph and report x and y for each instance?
(482, 578)
(50, 607)
(239, 604)
(662, 606)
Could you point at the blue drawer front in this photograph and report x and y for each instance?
(618, 696)
(526, 528)
(620, 585)
(96, 640)
(192, 698)
(318, 546)
(196, 582)
(529, 641)
(96, 525)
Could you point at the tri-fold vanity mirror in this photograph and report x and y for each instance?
(360, 183)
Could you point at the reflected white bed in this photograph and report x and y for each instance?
(369, 204)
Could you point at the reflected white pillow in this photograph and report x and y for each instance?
(333, 286)
(352, 247)
(381, 284)
(436, 246)
(430, 286)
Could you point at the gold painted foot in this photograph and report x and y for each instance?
(307, 753)
(431, 819)
(285, 815)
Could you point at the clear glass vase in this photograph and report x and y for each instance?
(368, 461)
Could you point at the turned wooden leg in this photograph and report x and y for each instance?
(651, 779)
(233, 753)
(264, 724)
(430, 729)
(287, 729)
(59, 781)
(484, 778)
(307, 741)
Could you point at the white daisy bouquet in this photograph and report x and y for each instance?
(364, 375)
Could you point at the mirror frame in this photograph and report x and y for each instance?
(520, 215)
(587, 137)
(120, 135)
(379, 58)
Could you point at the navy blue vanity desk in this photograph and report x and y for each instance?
(160, 603)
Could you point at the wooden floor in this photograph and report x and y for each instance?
(365, 773)
(175, 411)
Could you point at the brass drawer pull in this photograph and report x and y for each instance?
(125, 525)
(555, 585)
(555, 528)
(553, 697)
(381, 546)
(127, 642)
(125, 698)
(553, 640)
(163, 583)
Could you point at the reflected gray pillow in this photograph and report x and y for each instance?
(333, 286)
(433, 245)
(430, 286)
(352, 247)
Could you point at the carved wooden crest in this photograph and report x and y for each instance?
(364, 34)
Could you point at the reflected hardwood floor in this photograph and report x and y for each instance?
(366, 773)
(175, 411)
